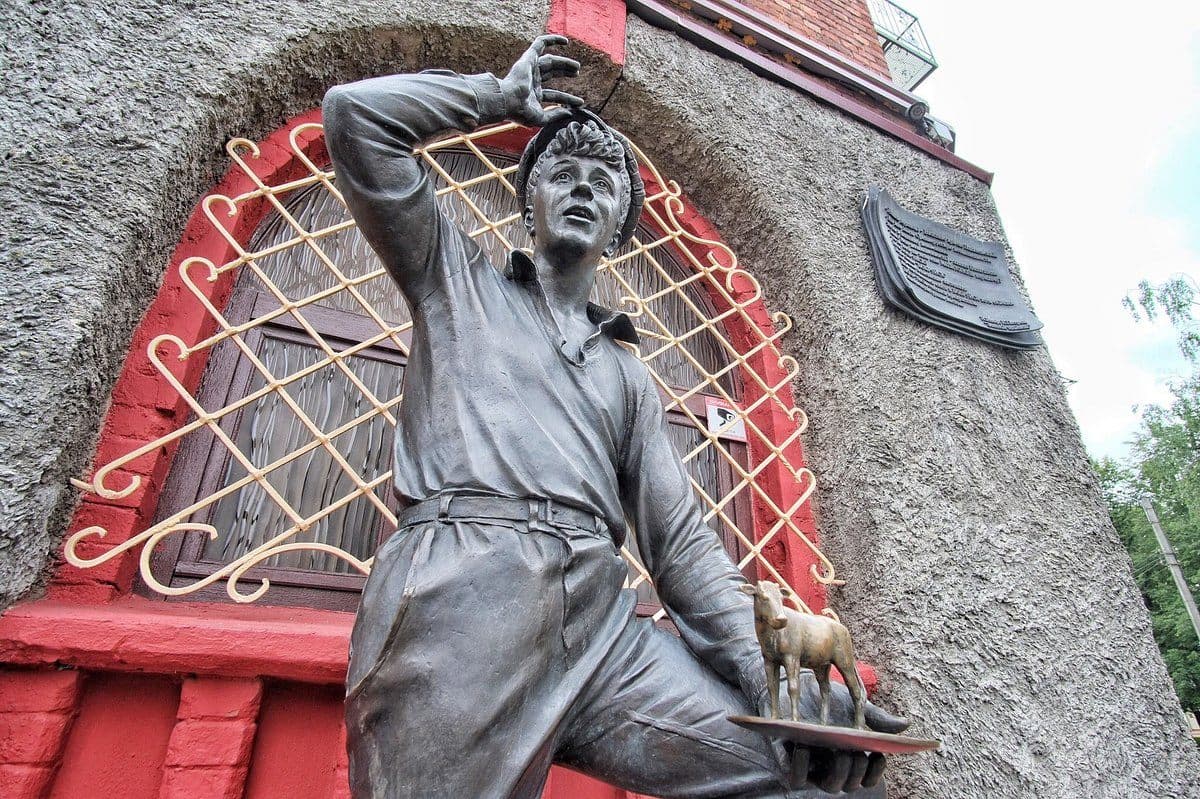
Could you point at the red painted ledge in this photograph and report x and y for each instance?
(142, 635)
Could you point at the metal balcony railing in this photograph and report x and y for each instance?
(905, 47)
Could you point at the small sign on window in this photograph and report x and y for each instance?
(724, 420)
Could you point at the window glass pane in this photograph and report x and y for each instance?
(490, 196)
(300, 270)
(675, 313)
(268, 430)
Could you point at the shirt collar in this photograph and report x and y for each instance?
(616, 324)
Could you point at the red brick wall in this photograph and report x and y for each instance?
(37, 709)
(841, 25)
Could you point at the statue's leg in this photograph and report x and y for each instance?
(858, 692)
(654, 720)
(841, 706)
(822, 674)
(792, 664)
(456, 656)
(772, 685)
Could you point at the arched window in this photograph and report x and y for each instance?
(282, 469)
(347, 399)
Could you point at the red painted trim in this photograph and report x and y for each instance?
(136, 634)
(597, 23)
(707, 37)
(784, 551)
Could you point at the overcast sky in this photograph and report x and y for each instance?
(1091, 122)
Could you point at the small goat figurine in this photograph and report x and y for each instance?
(798, 640)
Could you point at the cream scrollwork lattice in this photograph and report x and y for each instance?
(694, 358)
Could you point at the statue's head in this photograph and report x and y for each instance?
(768, 601)
(579, 187)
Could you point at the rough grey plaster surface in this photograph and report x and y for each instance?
(984, 578)
(114, 119)
(955, 497)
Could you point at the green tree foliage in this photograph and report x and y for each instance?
(1175, 299)
(1165, 466)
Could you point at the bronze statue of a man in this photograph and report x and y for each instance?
(494, 637)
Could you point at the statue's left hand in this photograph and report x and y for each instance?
(522, 86)
(834, 770)
(831, 770)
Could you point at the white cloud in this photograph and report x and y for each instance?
(1078, 114)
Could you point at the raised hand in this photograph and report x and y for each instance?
(522, 86)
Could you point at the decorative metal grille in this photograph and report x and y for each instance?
(253, 517)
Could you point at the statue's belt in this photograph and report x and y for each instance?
(569, 525)
(538, 513)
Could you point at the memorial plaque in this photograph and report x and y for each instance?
(945, 277)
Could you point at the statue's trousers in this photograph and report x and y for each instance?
(488, 647)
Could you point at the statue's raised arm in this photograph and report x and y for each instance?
(372, 126)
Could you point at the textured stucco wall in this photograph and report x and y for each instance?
(984, 578)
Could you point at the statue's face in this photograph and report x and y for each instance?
(772, 600)
(577, 206)
(768, 602)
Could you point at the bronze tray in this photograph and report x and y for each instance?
(826, 736)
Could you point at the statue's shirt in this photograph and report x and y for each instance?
(493, 400)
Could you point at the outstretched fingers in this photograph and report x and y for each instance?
(540, 44)
(525, 79)
(557, 65)
(554, 96)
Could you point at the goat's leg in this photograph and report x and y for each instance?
(772, 668)
(822, 675)
(792, 665)
(858, 692)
